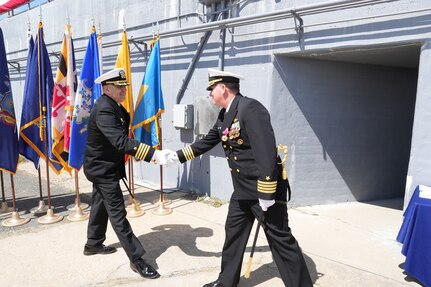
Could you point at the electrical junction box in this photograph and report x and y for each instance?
(183, 117)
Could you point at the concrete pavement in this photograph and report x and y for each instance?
(348, 244)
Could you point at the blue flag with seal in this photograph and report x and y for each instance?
(35, 130)
(149, 105)
(9, 150)
(88, 92)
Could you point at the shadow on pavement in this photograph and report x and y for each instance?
(165, 236)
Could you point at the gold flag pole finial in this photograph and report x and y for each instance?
(93, 28)
(40, 14)
(28, 24)
(68, 19)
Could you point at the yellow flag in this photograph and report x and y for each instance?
(123, 61)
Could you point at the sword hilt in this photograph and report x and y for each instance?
(284, 149)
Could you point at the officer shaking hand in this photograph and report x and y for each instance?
(107, 144)
(260, 191)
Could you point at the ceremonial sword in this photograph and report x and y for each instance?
(253, 247)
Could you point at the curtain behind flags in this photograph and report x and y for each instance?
(7, 5)
(36, 112)
(8, 133)
(87, 94)
(64, 95)
(149, 105)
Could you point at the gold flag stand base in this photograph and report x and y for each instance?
(165, 202)
(5, 208)
(15, 220)
(41, 208)
(74, 207)
(161, 209)
(130, 202)
(50, 217)
(134, 210)
(78, 215)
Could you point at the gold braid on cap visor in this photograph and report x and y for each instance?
(117, 83)
(212, 82)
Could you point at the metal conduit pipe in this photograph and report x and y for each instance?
(195, 60)
(241, 21)
(223, 40)
(331, 22)
(82, 49)
(234, 22)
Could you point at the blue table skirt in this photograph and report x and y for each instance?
(417, 244)
(415, 234)
(415, 199)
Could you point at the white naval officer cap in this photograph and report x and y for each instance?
(115, 77)
(216, 76)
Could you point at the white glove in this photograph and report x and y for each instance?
(173, 158)
(165, 157)
(265, 204)
(159, 157)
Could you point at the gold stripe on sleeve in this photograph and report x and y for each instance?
(188, 153)
(266, 187)
(142, 151)
(138, 153)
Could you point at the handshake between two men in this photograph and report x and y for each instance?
(165, 157)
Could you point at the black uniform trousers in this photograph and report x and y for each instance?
(284, 247)
(107, 202)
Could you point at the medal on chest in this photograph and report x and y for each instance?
(224, 136)
(234, 130)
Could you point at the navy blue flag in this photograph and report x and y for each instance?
(8, 133)
(88, 92)
(35, 128)
(24, 148)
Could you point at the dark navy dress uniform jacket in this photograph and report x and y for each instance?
(108, 141)
(248, 140)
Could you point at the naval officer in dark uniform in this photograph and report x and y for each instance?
(260, 191)
(107, 144)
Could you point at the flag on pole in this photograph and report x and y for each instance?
(64, 95)
(123, 61)
(71, 89)
(26, 150)
(35, 127)
(149, 105)
(8, 133)
(88, 93)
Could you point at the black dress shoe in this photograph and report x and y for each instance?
(144, 269)
(214, 284)
(98, 249)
